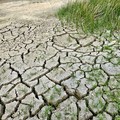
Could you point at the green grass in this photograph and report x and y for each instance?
(93, 15)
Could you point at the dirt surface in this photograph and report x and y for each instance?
(51, 72)
(31, 10)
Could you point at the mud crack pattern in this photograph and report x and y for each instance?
(51, 72)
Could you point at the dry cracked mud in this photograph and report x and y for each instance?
(51, 72)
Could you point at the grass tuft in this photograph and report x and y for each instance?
(92, 15)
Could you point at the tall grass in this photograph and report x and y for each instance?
(92, 15)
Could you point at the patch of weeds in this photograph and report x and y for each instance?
(92, 15)
(108, 48)
(112, 96)
(109, 56)
(117, 117)
(97, 75)
(96, 102)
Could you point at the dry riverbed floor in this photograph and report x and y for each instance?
(51, 72)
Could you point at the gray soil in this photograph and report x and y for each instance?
(51, 72)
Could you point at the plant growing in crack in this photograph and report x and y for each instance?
(117, 117)
(112, 96)
(33, 73)
(77, 82)
(2, 71)
(41, 57)
(7, 96)
(97, 75)
(101, 117)
(24, 111)
(99, 105)
(58, 116)
(73, 75)
(47, 111)
(107, 48)
(24, 90)
(69, 64)
(55, 92)
(114, 61)
(73, 116)
(31, 105)
(52, 97)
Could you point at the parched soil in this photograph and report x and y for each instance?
(51, 72)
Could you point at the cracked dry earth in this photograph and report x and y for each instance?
(51, 72)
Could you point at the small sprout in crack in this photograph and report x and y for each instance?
(31, 105)
(52, 97)
(73, 75)
(7, 96)
(47, 111)
(73, 116)
(117, 117)
(108, 48)
(32, 74)
(24, 90)
(101, 117)
(24, 111)
(57, 90)
(58, 116)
